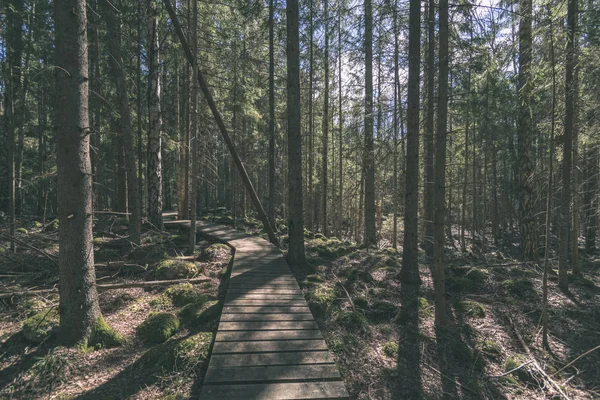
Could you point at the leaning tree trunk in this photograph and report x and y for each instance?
(113, 25)
(154, 175)
(295, 221)
(78, 298)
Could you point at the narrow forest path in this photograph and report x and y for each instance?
(268, 345)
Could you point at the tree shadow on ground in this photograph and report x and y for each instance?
(408, 385)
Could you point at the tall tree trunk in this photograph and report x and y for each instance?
(591, 198)
(369, 154)
(340, 203)
(272, 182)
(138, 77)
(295, 221)
(440, 169)
(325, 118)
(428, 195)
(550, 191)
(410, 266)
(78, 298)
(396, 196)
(525, 133)
(311, 139)
(154, 167)
(570, 78)
(14, 43)
(194, 130)
(115, 59)
(576, 167)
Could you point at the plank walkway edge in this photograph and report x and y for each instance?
(268, 345)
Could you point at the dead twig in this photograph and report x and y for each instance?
(576, 359)
(512, 370)
(49, 256)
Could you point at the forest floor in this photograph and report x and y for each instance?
(140, 368)
(370, 322)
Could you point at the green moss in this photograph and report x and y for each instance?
(158, 327)
(358, 275)
(161, 302)
(490, 348)
(184, 293)
(22, 230)
(39, 327)
(175, 269)
(472, 308)
(104, 335)
(361, 303)
(343, 344)
(36, 224)
(477, 275)
(353, 321)
(314, 278)
(390, 349)
(51, 370)
(320, 300)
(461, 285)
(200, 312)
(2, 250)
(382, 310)
(512, 362)
(215, 251)
(580, 280)
(425, 309)
(32, 306)
(518, 287)
(182, 356)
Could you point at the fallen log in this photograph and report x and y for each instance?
(112, 265)
(109, 286)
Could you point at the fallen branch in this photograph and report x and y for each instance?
(143, 284)
(116, 265)
(536, 365)
(512, 370)
(49, 256)
(101, 212)
(581, 356)
(347, 294)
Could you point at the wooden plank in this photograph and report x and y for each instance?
(253, 359)
(265, 302)
(268, 346)
(266, 317)
(266, 326)
(263, 296)
(272, 373)
(260, 278)
(236, 336)
(265, 310)
(265, 290)
(276, 391)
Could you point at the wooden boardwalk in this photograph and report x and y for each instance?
(268, 345)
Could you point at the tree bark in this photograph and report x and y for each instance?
(525, 133)
(154, 167)
(325, 119)
(570, 78)
(440, 169)
(78, 298)
(410, 266)
(194, 130)
(295, 222)
(115, 57)
(428, 193)
(272, 182)
(369, 154)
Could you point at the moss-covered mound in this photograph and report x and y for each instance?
(353, 321)
(200, 312)
(215, 251)
(158, 327)
(518, 287)
(320, 300)
(175, 269)
(382, 310)
(184, 293)
(104, 335)
(425, 309)
(186, 355)
(390, 349)
(39, 326)
(514, 361)
(472, 308)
